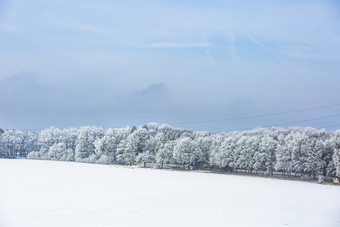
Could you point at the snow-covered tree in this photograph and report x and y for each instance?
(126, 152)
(204, 140)
(145, 157)
(48, 138)
(164, 154)
(187, 152)
(13, 142)
(58, 151)
(336, 151)
(31, 142)
(85, 149)
(299, 151)
(70, 136)
(223, 153)
(265, 156)
(283, 154)
(138, 139)
(106, 147)
(214, 150)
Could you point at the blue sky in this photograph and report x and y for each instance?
(117, 63)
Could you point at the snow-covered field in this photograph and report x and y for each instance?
(47, 193)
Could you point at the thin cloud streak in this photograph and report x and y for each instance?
(233, 52)
(177, 44)
(211, 58)
(260, 45)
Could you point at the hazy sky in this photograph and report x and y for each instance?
(116, 63)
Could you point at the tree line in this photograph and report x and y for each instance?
(296, 151)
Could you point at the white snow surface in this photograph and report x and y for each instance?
(48, 193)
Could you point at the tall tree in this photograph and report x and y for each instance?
(187, 152)
(85, 149)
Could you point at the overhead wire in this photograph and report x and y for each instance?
(286, 123)
(254, 116)
(188, 112)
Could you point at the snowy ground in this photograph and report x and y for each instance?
(47, 193)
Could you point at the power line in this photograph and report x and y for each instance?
(286, 123)
(248, 128)
(329, 126)
(188, 112)
(255, 116)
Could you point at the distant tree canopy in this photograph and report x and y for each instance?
(294, 151)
